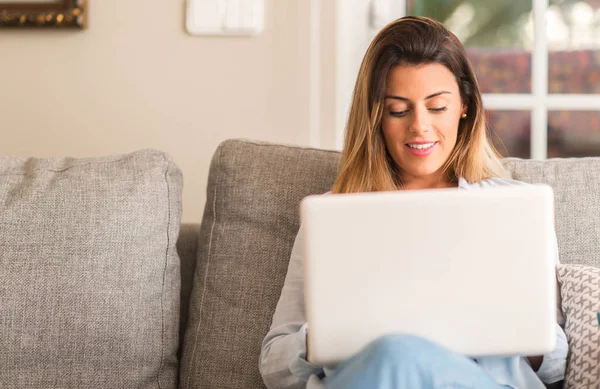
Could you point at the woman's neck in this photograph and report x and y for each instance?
(434, 181)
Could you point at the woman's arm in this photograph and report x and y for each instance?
(283, 362)
(553, 365)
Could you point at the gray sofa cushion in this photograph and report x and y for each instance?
(576, 184)
(89, 274)
(249, 224)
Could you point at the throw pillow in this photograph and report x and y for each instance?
(89, 273)
(580, 290)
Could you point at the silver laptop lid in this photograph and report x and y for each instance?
(470, 270)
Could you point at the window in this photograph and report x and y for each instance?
(538, 63)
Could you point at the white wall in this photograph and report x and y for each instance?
(134, 79)
(356, 24)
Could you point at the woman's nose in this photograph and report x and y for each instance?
(420, 121)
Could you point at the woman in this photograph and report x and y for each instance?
(416, 122)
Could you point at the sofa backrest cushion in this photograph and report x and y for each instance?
(89, 273)
(576, 184)
(249, 224)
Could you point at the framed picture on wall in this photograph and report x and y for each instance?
(43, 14)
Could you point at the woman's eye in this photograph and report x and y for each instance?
(442, 109)
(398, 114)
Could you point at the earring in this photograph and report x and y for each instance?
(464, 115)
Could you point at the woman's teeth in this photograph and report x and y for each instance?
(421, 146)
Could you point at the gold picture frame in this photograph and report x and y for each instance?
(43, 14)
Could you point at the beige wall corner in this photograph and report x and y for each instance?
(135, 79)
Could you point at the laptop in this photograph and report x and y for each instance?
(473, 271)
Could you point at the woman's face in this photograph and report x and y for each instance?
(422, 110)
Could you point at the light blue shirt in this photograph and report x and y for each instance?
(283, 362)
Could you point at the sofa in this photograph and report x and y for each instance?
(102, 286)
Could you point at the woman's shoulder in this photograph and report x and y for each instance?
(494, 182)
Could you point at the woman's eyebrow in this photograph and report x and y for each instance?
(426, 98)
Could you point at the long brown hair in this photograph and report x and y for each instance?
(366, 165)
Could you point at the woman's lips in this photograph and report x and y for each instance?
(424, 149)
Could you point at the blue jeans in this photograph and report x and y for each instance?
(408, 362)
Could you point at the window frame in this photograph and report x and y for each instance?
(349, 52)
